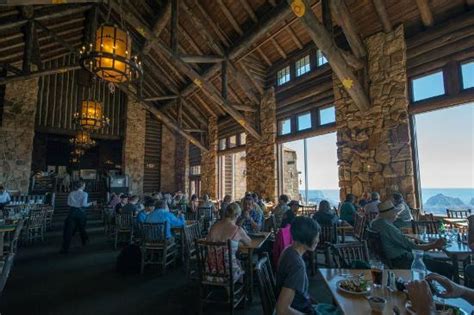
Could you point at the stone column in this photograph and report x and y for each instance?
(182, 164)
(261, 154)
(374, 152)
(209, 162)
(134, 145)
(17, 131)
(168, 160)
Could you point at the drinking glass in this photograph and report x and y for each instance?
(423, 232)
(376, 271)
(455, 234)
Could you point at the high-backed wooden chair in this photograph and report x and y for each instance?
(34, 227)
(374, 244)
(11, 246)
(218, 273)
(327, 237)
(156, 248)
(458, 213)
(345, 254)
(206, 218)
(415, 213)
(123, 228)
(359, 229)
(430, 227)
(370, 216)
(191, 232)
(307, 211)
(266, 285)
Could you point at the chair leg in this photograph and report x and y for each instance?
(116, 239)
(142, 266)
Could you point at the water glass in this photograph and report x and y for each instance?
(376, 270)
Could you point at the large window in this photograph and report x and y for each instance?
(327, 115)
(284, 127)
(304, 121)
(467, 70)
(302, 66)
(308, 168)
(445, 142)
(283, 75)
(232, 175)
(427, 86)
(320, 58)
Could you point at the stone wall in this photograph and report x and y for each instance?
(290, 173)
(209, 162)
(182, 163)
(374, 152)
(168, 160)
(17, 131)
(133, 160)
(261, 154)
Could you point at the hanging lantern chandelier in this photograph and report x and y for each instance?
(77, 152)
(90, 115)
(74, 160)
(82, 140)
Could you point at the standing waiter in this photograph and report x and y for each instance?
(76, 220)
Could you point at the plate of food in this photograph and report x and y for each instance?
(441, 309)
(357, 286)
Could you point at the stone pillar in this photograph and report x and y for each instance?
(133, 160)
(168, 160)
(17, 131)
(182, 164)
(374, 152)
(209, 162)
(261, 154)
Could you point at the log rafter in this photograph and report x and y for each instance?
(425, 12)
(381, 11)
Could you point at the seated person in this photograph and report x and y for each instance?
(149, 205)
(283, 236)
(206, 202)
(121, 204)
(162, 214)
(5, 198)
(251, 219)
(131, 207)
(114, 200)
(398, 248)
(294, 206)
(421, 296)
(372, 205)
(325, 215)
(280, 209)
(364, 200)
(348, 209)
(194, 203)
(291, 279)
(288, 217)
(225, 203)
(404, 217)
(227, 229)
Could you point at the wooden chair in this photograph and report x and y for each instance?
(269, 225)
(374, 243)
(327, 236)
(344, 254)
(156, 249)
(12, 246)
(359, 229)
(206, 218)
(48, 219)
(458, 214)
(6, 268)
(123, 226)
(191, 233)
(431, 227)
(216, 274)
(34, 227)
(415, 213)
(266, 285)
(370, 216)
(307, 211)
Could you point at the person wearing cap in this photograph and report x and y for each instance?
(121, 204)
(5, 198)
(397, 247)
(251, 219)
(348, 209)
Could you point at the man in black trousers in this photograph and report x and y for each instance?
(76, 220)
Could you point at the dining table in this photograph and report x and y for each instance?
(353, 304)
(257, 241)
(454, 249)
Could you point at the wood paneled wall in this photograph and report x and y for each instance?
(194, 155)
(60, 95)
(151, 180)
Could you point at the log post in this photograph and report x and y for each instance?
(27, 12)
(224, 80)
(160, 24)
(383, 16)
(425, 12)
(174, 26)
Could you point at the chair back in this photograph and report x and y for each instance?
(269, 225)
(36, 219)
(430, 227)
(307, 211)
(16, 236)
(374, 244)
(191, 216)
(124, 221)
(6, 271)
(328, 235)
(191, 232)
(415, 213)
(345, 254)
(359, 226)
(370, 216)
(458, 213)
(214, 262)
(153, 232)
(206, 217)
(266, 285)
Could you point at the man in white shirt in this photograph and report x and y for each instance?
(4, 197)
(373, 205)
(76, 220)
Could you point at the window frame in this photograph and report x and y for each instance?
(280, 124)
(319, 115)
(303, 66)
(311, 124)
(412, 91)
(318, 51)
(461, 77)
(289, 75)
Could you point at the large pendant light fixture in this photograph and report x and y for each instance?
(82, 140)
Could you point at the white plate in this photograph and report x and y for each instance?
(338, 285)
(412, 312)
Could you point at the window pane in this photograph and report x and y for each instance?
(302, 66)
(283, 75)
(321, 59)
(243, 138)
(428, 86)
(327, 115)
(304, 121)
(222, 144)
(232, 141)
(467, 70)
(445, 141)
(285, 127)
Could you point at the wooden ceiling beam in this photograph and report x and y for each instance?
(381, 10)
(249, 10)
(160, 24)
(38, 2)
(196, 130)
(57, 38)
(243, 82)
(425, 12)
(161, 98)
(294, 38)
(37, 74)
(243, 107)
(325, 42)
(208, 19)
(205, 106)
(278, 48)
(230, 17)
(343, 17)
(326, 15)
(201, 59)
(264, 57)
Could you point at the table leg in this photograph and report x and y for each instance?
(455, 261)
(250, 275)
